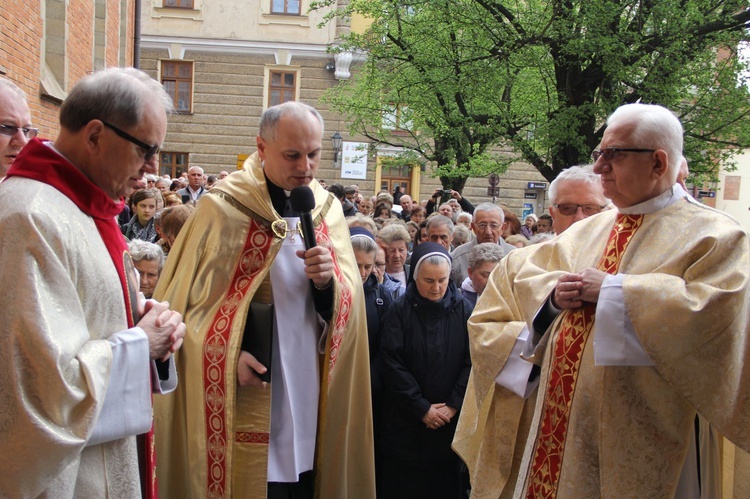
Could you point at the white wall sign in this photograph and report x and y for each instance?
(354, 160)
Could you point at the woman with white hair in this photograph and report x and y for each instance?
(425, 369)
(528, 225)
(148, 259)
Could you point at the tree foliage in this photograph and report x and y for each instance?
(536, 79)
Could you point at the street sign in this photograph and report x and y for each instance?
(537, 185)
(529, 195)
(494, 179)
(493, 191)
(706, 194)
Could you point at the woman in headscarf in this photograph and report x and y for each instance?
(425, 368)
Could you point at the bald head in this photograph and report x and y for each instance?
(14, 118)
(195, 177)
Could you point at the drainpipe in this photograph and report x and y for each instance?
(137, 35)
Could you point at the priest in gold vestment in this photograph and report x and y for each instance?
(220, 435)
(631, 322)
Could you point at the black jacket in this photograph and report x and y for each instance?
(425, 360)
(377, 301)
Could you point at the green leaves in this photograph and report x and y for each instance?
(540, 77)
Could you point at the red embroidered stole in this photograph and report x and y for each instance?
(218, 428)
(547, 457)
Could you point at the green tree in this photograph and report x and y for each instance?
(538, 78)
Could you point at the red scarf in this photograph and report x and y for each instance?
(40, 162)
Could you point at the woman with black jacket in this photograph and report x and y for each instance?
(425, 369)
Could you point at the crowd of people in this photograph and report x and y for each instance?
(412, 349)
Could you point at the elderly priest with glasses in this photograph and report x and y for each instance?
(80, 353)
(629, 323)
(574, 195)
(15, 124)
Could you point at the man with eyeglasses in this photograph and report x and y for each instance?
(81, 350)
(488, 224)
(639, 320)
(575, 194)
(15, 124)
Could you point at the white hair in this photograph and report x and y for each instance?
(488, 207)
(655, 127)
(581, 173)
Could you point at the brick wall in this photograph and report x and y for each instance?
(21, 32)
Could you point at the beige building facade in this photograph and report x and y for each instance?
(226, 63)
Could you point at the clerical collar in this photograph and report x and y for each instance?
(666, 198)
(277, 194)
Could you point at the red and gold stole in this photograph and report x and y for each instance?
(218, 420)
(576, 326)
(40, 162)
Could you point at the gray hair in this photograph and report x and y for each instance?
(579, 173)
(269, 120)
(488, 207)
(360, 220)
(541, 237)
(384, 197)
(196, 167)
(485, 252)
(364, 243)
(393, 233)
(118, 95)
(6, 84)
(438, 220)
(654, 127)
(464, 215)
(143, 250)
(461, 234)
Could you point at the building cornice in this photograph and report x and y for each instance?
(229, 46)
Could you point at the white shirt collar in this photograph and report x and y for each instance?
(666, 198)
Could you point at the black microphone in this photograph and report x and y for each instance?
(302, 201)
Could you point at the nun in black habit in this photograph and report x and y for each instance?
(425, 368)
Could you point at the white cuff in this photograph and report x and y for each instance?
(162, 386)
(126, 409)
(515, 373)
(615, 341)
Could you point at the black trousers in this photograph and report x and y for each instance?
(304, 489)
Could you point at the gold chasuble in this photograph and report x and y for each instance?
(564, 368)
(212, 435)
(612, 431)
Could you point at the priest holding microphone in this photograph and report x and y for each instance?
(301, 426)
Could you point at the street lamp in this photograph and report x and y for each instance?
(336, 140)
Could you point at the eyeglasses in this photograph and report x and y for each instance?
(148, 150)
(571, 209)
(608, 153)
(10, 131)
(484, 225)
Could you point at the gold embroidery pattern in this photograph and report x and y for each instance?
(339, 323)
(563, 375)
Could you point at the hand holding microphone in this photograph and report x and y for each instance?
(318, 259)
